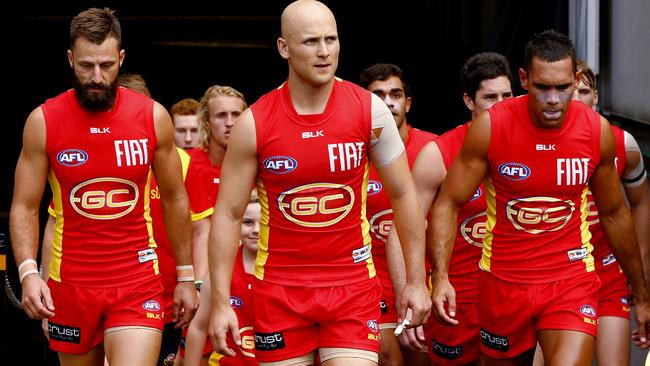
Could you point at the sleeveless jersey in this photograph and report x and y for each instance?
(463, 267)
(380, 214)
(100, 174)
(241, 300)
(603, 255)
(166, 259)
(536, 192)
(312, 182)
(202, 184)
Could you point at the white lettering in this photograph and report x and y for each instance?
(134, 152)
(572, 171)
(349, 155)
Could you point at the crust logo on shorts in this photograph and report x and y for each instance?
(72, 157)
(104, 198)
(380, 224)
(247, 347)
(473, 229)
(494, 341)
(64, 333)
(445, 351)
(269, 341)
(316, 204)
(536, 215)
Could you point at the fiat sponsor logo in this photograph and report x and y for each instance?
(380, 224)
(104, 198)
(316, 204)
(280, 164)
(473, 229)
(514, 171)
(72, 157)
(537, 215)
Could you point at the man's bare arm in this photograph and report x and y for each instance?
(238, 173)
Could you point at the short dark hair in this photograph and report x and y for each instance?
(382, 72)
(549, 46)
(482, 66)
(95, 25)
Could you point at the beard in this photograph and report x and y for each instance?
(95, 101)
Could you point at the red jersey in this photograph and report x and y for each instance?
(202, 184)
(100, 174)
(312, 184)
(602, 251)
(536, 192)
(380, 214)
(166, 259)
(241, 298)
(463, 268)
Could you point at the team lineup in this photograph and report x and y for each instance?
(317, 226)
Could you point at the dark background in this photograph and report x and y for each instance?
(182, 48)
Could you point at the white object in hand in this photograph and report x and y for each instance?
(401, 326)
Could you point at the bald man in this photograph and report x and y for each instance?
(307, 146)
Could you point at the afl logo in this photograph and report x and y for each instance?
(588, 311)
(236, 302)
(316, 204)
(374, 187)
(514, 171)
(280, 164)
(151, 305)
(477, 195)
(72, 157)
(373, 326)
(473, 229)
(104, 198)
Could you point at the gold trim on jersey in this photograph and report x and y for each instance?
(490, 223)
(365, 226)
(57, 237)
(147, 219)
(585, 234)
(263, 243)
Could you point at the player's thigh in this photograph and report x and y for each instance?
(613, 342)
(389, 350)
(94, 357)
(132, 346)
(566, 347)
(525, 358)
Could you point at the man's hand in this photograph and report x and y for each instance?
(642, 333)
(36, 299)
(413, 339)
(415, 298)
(186, 302)
(223, 320)
(443, 292)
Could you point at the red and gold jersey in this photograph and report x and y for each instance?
(602, 251)
(202, 184)
(166, 259)
(241, 300)
(463, 268)
(380, 214)
(100, 175)
(312, 184)
(536, 192)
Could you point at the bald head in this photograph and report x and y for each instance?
(301, 13)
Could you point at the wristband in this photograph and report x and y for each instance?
(186, 279)
(26, 262)
(187, 266)
(27, 273)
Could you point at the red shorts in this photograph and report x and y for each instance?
(83, 314)
(293, 321)
(454, 345)
(207, 347)
(510, 314)
(388, 317)
(614, 291)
